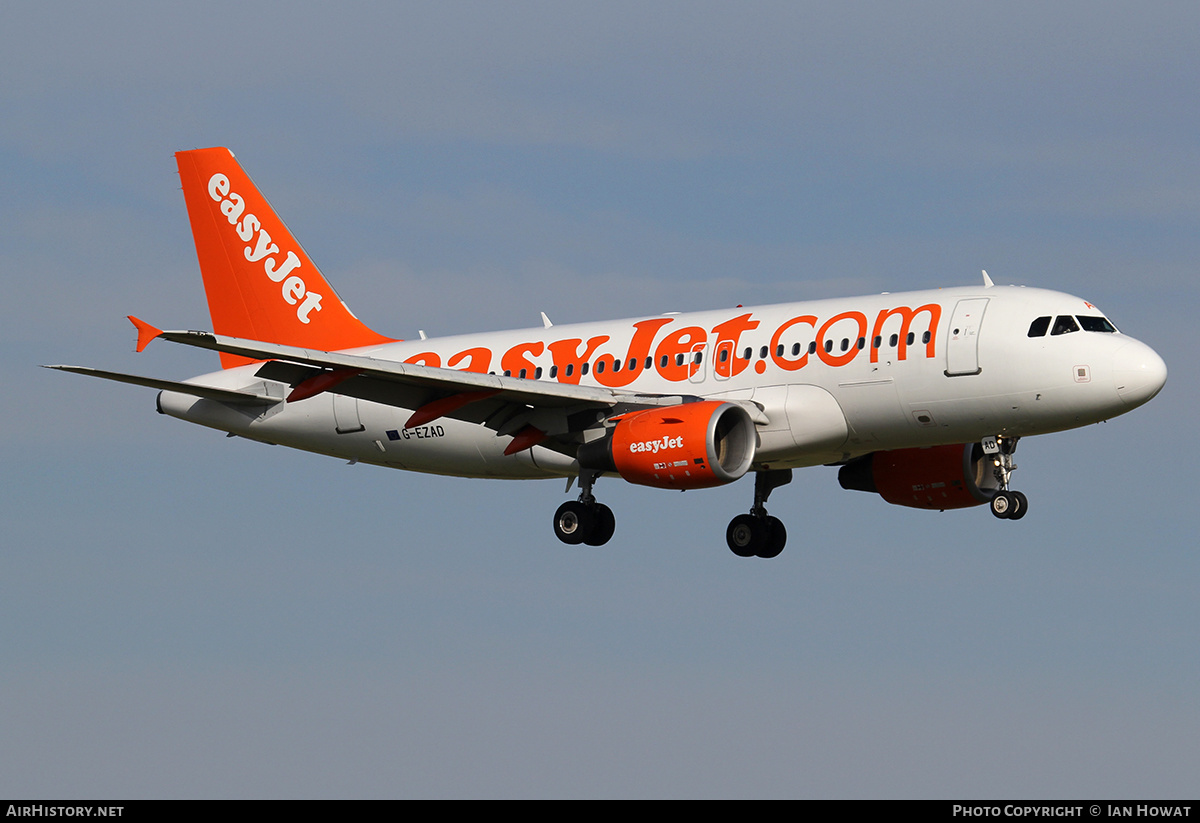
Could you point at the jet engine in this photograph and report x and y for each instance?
(938, 477)
(690, 446)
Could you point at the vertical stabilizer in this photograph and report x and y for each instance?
(259, 282)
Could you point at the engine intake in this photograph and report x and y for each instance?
(690, 446)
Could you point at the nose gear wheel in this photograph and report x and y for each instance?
(1006, 504)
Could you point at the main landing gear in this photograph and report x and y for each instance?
(584, 520)
(1006, 504)
(757, 534)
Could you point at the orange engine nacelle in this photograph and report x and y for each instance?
(939, 477)
(690, 446)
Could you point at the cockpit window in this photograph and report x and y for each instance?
(1039, 327)
(1064, 324)
(1096, 324)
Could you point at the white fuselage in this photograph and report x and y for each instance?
(834, 379)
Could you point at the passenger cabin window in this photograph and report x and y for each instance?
(1064, 324)
(1039, 327)
(1096, 324)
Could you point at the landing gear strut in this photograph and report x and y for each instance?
(757, 534)
(584, 520)
(1006, 504)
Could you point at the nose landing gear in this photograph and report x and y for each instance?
(1006, 504)
(757, 534)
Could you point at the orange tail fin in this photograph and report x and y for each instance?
(259, 282)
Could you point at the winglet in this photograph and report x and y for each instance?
(987, 281)
(146, 332)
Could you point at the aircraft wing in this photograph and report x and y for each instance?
(208, 392)
(532, 411)
(414, 374)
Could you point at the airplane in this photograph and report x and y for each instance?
(920, 397)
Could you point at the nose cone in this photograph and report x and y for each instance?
(1139, 373)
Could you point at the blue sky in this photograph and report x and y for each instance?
(183, 615)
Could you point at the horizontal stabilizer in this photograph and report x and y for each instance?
(207, 392)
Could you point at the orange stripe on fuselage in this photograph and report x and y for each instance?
(667, 340)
